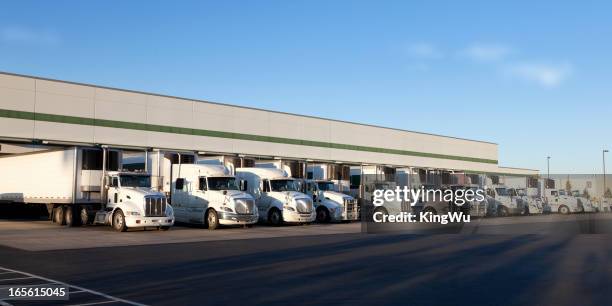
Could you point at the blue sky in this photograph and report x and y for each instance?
(533, 77)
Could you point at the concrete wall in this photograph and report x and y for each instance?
(33, 108)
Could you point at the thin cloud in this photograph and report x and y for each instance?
(487, 52)
(424, 50)
(542, 74)
(22, 35)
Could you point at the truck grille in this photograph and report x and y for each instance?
(245, 206)
(155, 206)
(350, 205)
(304, 206)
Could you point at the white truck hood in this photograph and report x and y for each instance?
(218, 196)
(337, 197)
(141, 192)
(287, 197)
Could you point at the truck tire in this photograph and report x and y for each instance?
(322, 215)
(564, 210)
(119, 221)
(58, 215)
(212, 219)
(69, 216)
(525, 211)
(275, 218)
(84, 215)
(431, 210)
(379, 209)
(502, 211)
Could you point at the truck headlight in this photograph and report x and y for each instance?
(289, 208)
(133, 213)
(228, 209)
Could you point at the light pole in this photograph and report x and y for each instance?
(547, 171)
(603, 159)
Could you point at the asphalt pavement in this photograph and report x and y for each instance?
(333, 269)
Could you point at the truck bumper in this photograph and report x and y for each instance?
(226, 218)
(139, 221)
(294, 217)
(342, 216)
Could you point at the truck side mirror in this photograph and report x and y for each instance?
(243, 185)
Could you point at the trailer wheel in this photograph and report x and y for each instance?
(69, 216)
(84, 215)
(212, 220)
(322, 215)
(119, 221)
(58, 215)
(274, 217)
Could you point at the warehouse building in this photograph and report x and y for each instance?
(42, 111)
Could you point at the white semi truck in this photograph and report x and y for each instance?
(209, 195)
(277, 196)
(84, 185)
(560, 201)
(330, 204)
(532, 202)
(587, 204)
(506, 201)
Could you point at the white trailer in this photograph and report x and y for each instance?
(77, 183)
(209, 194)
(277, 196)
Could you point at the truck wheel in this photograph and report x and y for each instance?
(119, 221)
(58, 215)
(69, 216)
(212, 219)
(564, 210)
(526, 211)
(379, 209)
(430, 210)
(84, 215)
(322, 215)
(502, 211)
(274, 217)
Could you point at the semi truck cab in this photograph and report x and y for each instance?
(506, 200)
(130, 202)
(330, 204)
(277, 196)
(560, 201)
(208, 194)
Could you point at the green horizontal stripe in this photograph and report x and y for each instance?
(221, 134)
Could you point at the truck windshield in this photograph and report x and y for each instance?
(326, 186)
(502, 192)
(142, 181)
(283, 185)
(222, 183)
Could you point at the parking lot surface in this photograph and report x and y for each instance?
(39, 235)
(278, 266)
